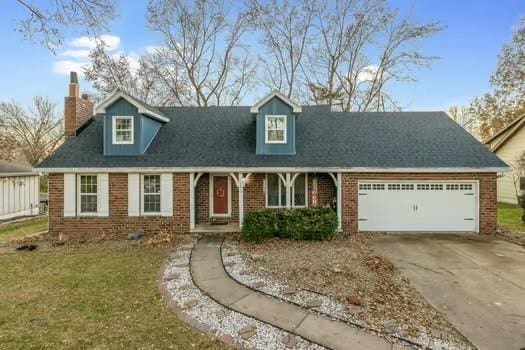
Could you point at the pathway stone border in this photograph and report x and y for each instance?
(200, 311)
(210, 276)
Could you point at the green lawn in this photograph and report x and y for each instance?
(91, 297)
(509, 216)
(25, 228)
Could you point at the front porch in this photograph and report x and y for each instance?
(218, 201)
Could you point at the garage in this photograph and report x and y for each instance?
(418, 206)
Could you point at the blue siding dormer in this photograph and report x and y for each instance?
(144, 129)
(275, 106)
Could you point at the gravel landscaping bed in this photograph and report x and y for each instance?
(210, 317)
(345, 279)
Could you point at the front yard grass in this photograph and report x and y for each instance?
(22, 229)
(509, 217)
(103, 297)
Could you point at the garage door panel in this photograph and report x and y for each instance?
(422, 206)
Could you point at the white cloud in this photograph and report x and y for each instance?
(112, 42)
(66, 66)
(76, 53)
(367, 73)
(132, 57)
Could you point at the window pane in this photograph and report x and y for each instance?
(88, 184)
(151, 183)
(152, 203)
(275, 135)
(123, 124)
(299, 191)
(283, 194)
(273, 190)
(88, 203)
(276, 123)
(123, 136)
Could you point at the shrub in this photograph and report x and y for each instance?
(260, 225)
(318, 223)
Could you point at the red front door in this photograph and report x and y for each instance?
(220, 195)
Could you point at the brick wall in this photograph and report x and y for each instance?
(254, 197)
(487, 195)
(118, 222)
(326, 191)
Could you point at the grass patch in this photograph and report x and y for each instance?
(22, 229)
(99, 297)
(509, 216)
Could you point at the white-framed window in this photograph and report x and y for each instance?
(275, 129)
(87, 194)
(123, 130)
(151, 194)
(276, 191)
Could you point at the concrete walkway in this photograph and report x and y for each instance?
(209, 275)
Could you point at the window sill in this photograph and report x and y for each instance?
(151, 214)
(89, 215)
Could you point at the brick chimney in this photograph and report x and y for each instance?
(78, 109)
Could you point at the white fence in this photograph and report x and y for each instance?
(19, 196)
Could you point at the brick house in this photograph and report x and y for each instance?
(199, 169)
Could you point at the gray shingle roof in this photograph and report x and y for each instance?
(14, 167)
(225, 137)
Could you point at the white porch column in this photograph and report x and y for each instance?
(192, 201)
(288, 186)
(339, 200)
(241, 199)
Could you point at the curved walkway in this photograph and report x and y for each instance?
(209, 275)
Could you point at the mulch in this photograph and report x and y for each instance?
(348, 270)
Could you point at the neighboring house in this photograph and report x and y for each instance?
(19, 190)
(509, 145)
(185, 169)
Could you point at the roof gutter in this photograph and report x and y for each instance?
(19, 174)
(271, 170)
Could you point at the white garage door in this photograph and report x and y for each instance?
(418, 206)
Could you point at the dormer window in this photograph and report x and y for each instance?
(122, 130)
(275, 129)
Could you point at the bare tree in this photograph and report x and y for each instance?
(203, 44)
(285, 40)
(45, 23)
(464, 118)
(364, 46)
(36, 132)
(108, 72)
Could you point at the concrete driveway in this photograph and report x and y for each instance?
(478, 284)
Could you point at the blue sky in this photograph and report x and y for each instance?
(476, 31)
